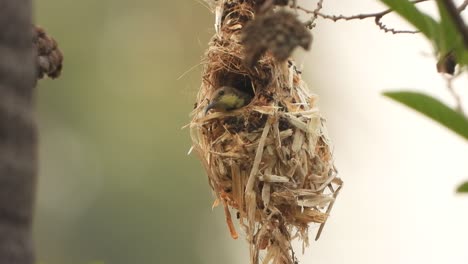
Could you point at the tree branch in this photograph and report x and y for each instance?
(18, 136)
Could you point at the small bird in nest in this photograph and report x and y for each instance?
(228, 98)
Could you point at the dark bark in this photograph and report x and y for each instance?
(18, 136)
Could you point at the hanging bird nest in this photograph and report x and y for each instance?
(270, 161)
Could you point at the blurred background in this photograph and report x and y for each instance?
(117, 187)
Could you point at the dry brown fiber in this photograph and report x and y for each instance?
(271, 161)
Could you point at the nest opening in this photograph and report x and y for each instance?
(239, 81)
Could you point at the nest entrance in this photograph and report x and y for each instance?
(239, 81)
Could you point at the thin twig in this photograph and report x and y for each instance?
(458, 102)
(377, 17)
(463, 6)
(353, 17)
(311, 23)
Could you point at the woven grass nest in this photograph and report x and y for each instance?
(269, 162)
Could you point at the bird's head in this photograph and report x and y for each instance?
(228, 98)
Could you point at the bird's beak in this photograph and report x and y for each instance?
(210, 106)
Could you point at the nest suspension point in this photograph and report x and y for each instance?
(270, 161)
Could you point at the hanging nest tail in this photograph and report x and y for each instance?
(269, 161)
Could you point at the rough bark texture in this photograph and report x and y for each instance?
(18, 137)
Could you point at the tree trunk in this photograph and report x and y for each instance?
(18, 135)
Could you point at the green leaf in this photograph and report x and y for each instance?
(463, 188)
(434, 109)
(444, 35)
(450, 38)
(424, 23)
(462, 56)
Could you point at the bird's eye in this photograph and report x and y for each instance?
(221, 92)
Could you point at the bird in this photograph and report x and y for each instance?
(228, 98)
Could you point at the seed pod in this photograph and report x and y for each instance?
(49, 57)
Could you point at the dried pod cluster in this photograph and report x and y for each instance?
(49, 58)
(269, 161)
(279, 32)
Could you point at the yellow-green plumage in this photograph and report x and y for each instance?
(228, 98)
